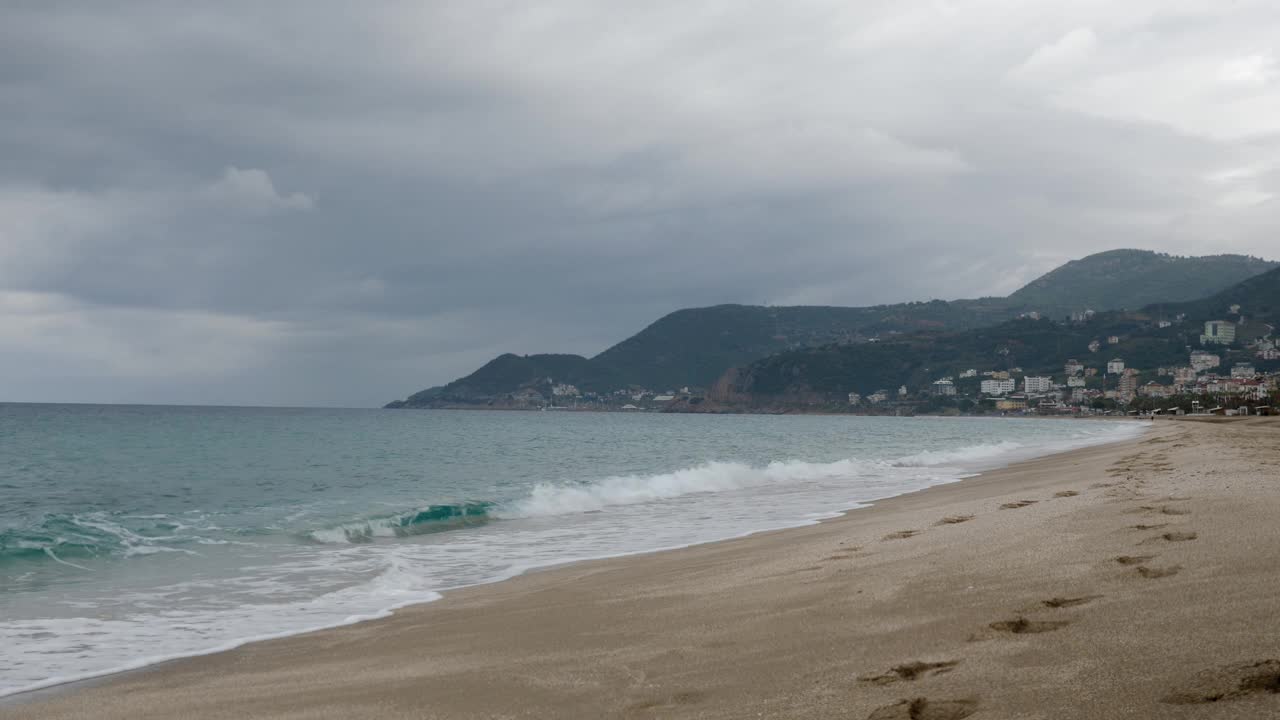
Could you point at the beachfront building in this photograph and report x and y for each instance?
(998, 387)
(1127, 386)
(1115, 366)
(1032, 384)
(1016, 402)
(944, 388)
(1154, 389)
(1218, 332)
(855, 399)
(878, 396)
(1201, 360)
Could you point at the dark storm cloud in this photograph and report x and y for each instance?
(336, 203)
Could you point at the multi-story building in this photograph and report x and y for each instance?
(998, 387)
(1032, 384)
(1115, 366)
(1073, 367)
(1201, 360)
(1184, 375)
(1127, 386)
(969, 373)
(1075, 381)
(1243, 370)
(944, 388)
(855, 398)
(1218, 332)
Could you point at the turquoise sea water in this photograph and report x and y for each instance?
(131, 534)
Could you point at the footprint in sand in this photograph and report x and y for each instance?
(1232, 682)
(1154, 573)
(1017, 504)
(1060, 602)
(954, 519)
(925, 709)
(688, 697)
(1066, 493)
(1023, 626)
(1179, 536)
(911, 671)
(1133, 559)
(1157, 526)
(901, 535)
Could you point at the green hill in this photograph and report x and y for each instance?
(694, 347)
(1130, 279)
(509, 373)
(824, 375)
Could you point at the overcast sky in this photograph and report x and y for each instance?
(338, 203)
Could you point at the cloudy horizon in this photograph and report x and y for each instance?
(323, 203)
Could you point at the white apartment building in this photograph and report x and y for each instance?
(1037, 384)
(999, 387)
(1115, 366)
(1218, 332)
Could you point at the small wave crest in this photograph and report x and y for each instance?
(963, 455)
(562, 499)
(421, 521)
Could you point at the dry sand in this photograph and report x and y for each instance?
(1137, 580)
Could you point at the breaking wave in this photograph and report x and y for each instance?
(561, 499)
(421, 521)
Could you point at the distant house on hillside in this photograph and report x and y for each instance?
(1243, 370)
(1073, 367)
(855, 398)
(1095, 346)
(1115, 366)
(944, 388)
(1201, 360)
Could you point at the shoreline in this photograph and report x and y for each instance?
(656, 572)
(55, 687)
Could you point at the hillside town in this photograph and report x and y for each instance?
(1222, 376)
(1235, 369)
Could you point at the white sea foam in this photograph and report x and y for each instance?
(548, 499)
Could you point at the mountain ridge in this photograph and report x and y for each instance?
(695, 346)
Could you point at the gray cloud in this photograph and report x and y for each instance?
(324, 202)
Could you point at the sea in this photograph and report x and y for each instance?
(130, 535)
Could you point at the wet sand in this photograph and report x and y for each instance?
(1134, 580)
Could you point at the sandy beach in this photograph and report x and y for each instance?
(1134, 580)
